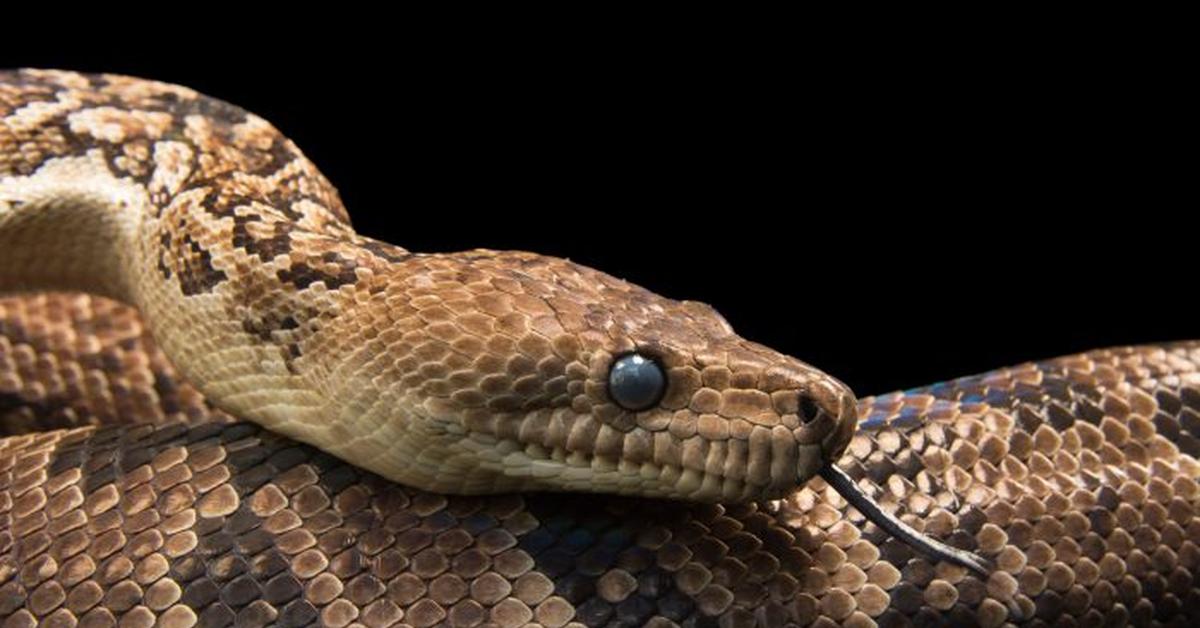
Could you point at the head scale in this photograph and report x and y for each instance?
(513, 371)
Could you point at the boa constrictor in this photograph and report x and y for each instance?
(460, 403)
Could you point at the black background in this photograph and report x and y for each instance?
(896, 216)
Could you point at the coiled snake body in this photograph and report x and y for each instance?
(127, 495)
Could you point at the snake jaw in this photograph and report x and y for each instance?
(556, 466)
(557, 449)
(669, 453)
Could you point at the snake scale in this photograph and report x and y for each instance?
(256, 416)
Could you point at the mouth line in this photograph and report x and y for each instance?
(563, 470)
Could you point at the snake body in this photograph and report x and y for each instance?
(229, 285)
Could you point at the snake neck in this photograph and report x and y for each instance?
(201, 215)
(71, 225)
(240, 257)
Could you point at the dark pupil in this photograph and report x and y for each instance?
(635, 382)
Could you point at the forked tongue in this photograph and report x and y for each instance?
(932, 548)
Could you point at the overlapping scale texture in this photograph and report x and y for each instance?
(72, 359)
(486, 371)
(1088, 521)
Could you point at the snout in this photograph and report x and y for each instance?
(845, 424)
(832, 422)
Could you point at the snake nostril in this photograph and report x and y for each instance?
(809, 411)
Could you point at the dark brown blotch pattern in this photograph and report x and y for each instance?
(239, 522)
(219, 525)
(1076, 476)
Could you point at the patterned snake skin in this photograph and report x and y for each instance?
(126, 498)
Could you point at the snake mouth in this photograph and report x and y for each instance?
(510, 464)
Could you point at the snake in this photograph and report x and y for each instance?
(220, 405)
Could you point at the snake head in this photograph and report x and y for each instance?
(507, 371)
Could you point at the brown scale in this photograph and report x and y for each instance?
(216, 524)
(1075, 479)
(242, 229)
(73, 360)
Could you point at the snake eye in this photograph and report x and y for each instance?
(808, 409)
(636, 382)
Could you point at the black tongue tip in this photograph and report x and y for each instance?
(847, 488)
